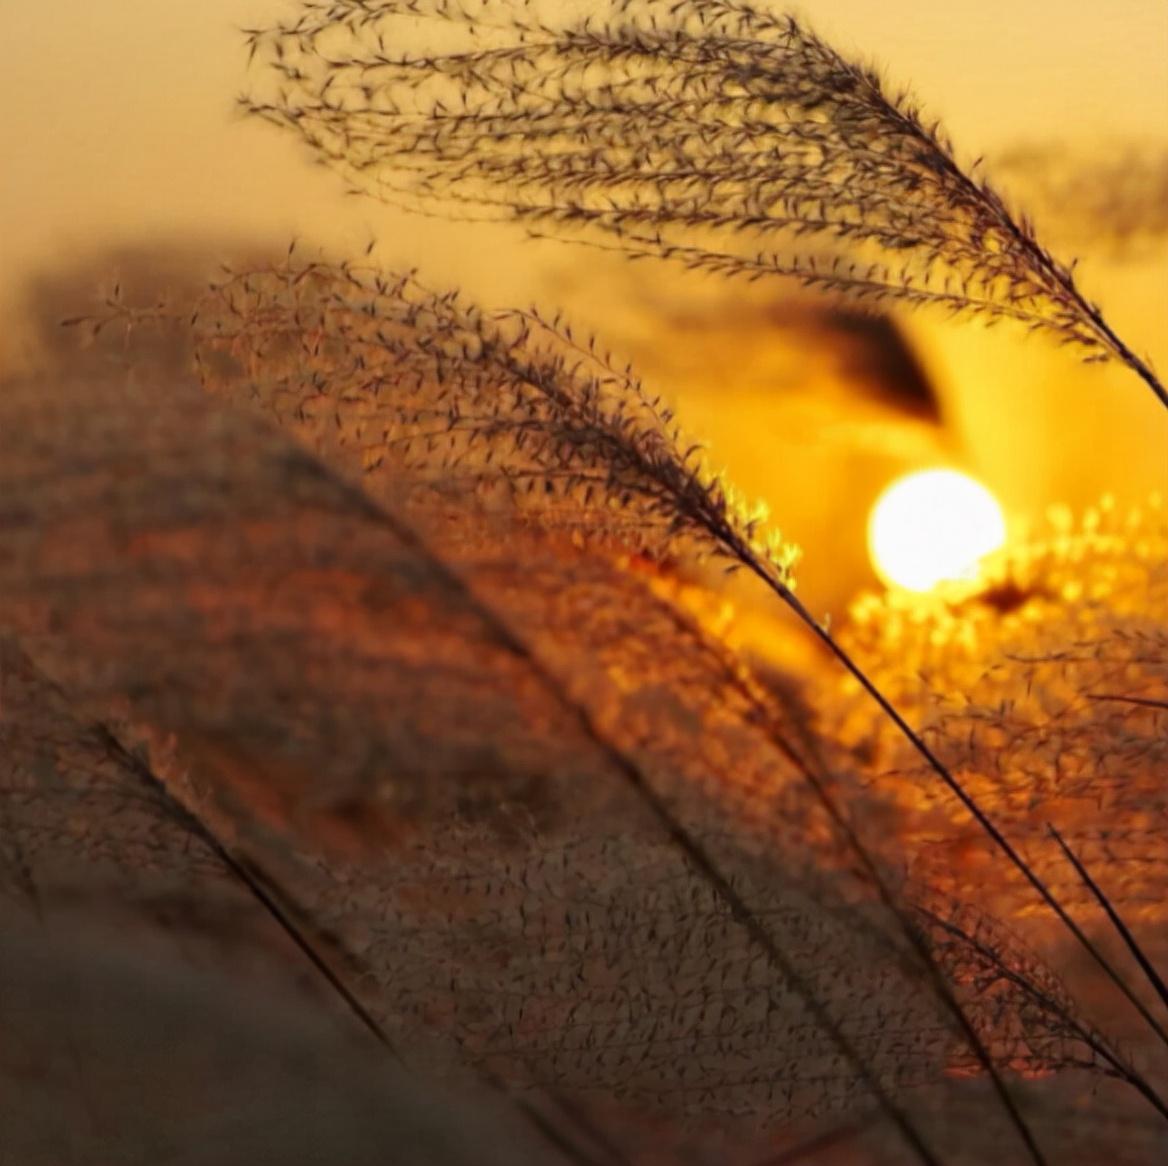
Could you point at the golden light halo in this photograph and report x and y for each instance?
(933, 526)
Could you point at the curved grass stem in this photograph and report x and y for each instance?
(958, 790)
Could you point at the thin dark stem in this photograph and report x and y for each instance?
(1153, 382)
(817, 1143)
(590, 1130)
(1117, 922)
(256, 881)
(1142, 701)
(1140, 367)
(263, 889)
(1092, 1040)
(696, 854)
(549, 1132)
(942, 771)
(1058, 276)
(633, 775)
(936, 978)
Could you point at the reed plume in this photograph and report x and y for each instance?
(162, 916)
(418, 384)
(1047, 691)
(443, 727)
(711, 132)
(277, 633)
(356, 361)
(1047, 688)
(507, 407)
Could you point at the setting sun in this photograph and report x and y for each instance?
(932, 526)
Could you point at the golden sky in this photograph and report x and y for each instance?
(119, 125)
(118, 116)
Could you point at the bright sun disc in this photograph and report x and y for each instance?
(933, 526)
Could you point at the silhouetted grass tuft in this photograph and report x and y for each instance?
(711, 132)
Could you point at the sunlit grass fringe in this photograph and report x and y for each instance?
(545, 407)
(700, 131)
(709, 116)
(507, 406)
(509, 402)
(324, 346)
(1047, 685)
